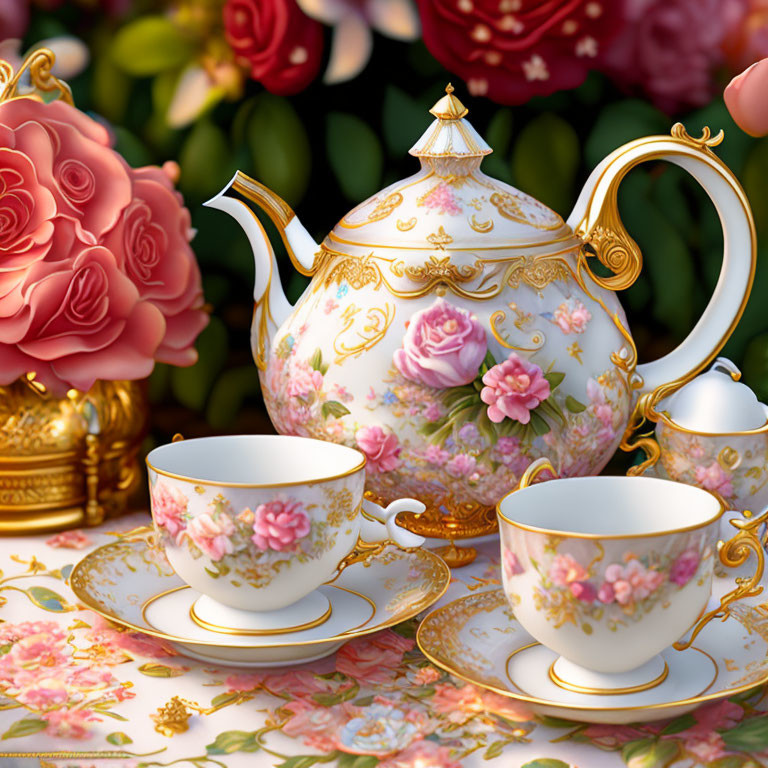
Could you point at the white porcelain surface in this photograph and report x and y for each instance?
(258, 522)
(121, 579)
(451, 235)
(478, 639)
(613, 569)
(716, 402)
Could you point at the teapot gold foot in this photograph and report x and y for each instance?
(456, 557)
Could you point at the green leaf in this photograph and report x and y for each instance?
(229, 393)
(755, 170)
(554, 378)
(650, 753)
(149, 45)
(316, 361)
(573, 405)
(546, 762)
(25, 727)
(119, 738)
(331, 699)
(620, 122)
(131, 147)
(206, 160)
(539, 425)
(307, 761)
(551, 408)
(233, 741)
(486, 427)
(282, 158)
(154, 669)
(334, 408)
(47, 599)
(679, 724)
(495, 749)
(749, 736)
(545, 159)
(357, 761)
(404, 120)
(223, 699)
(355, 155)
(110, 87)
(191, 385)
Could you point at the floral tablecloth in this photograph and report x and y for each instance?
(79, 691)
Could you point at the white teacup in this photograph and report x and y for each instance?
(256, 523)
(608, 572)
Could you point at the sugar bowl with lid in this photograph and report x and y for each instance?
(713, 433)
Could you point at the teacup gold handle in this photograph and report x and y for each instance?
(534, 470)
(734, 553)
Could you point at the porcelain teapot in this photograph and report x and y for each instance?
(454, 329)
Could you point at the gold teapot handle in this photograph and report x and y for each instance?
(596, 219)
(734, 553)
(535, 468)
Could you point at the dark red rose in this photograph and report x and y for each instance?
(281, 46)
(512, 50)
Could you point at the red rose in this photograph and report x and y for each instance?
(512, 50)
(152, 241)
(82, 320)
(280, 45)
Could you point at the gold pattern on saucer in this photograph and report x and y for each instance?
(211, 627)
(172, 718)
(557, 680)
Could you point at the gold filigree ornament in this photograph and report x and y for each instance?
(72, 460)
(362, 331)
(172, 718)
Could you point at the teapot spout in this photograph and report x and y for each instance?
(272, 307)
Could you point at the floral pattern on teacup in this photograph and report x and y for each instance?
(614, 590)
(735, 466)
(249, 545)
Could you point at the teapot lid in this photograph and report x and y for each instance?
(450, 205)
(716, 402)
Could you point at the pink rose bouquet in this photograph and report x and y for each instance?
(279, 523)
(97, 278)
(513, 389)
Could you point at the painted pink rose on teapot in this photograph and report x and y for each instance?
(454, 329)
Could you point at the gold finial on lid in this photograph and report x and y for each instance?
(449, 107)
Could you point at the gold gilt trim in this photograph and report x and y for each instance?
(381, 211)
(437, 270)
(369, 332)
(440, 238)
(39, 65)
(211, 627)
(509, 207)
(558, 681)
(480, 226)
(406, 226)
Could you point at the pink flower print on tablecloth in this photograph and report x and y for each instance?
(168, 507)
(70, 723)
(684, 568)
(243, 682)
(212, 534)
(375, 659)
(381, 448)
(116, 646)
(513, 389)
(714, 478)
(423, 753)
(314, 723)
(441, 199)
(565, 569)
(442, 347)
(70, 540)
(458, 705)
(424, 676)
(280, 523)
(571, 317)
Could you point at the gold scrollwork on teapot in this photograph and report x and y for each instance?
(438, 269)
(39, 66)
(369, 328)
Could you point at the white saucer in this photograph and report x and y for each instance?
(132, 584)
(477, 639)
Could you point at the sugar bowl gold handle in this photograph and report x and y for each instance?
(535, 468)
(734, 553)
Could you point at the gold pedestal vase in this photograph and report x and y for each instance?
(70, 461)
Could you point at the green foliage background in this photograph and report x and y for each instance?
(328, 148)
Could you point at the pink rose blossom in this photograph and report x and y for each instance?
(279, 523)
(512, 565)
(459, 705)
(684, 568)
(243, 682)
(315, 724)
(747, 41)
(612, 736)
(461, 465)
(513, 389)
(423, 753)
(565, 569)
(168, 506)
(441, 199)
(706, 748)
(69, 540)
(744, 97)
(669, 50)
(48, 693)
(152, 240)
(436, 455)
(301, 683)
(69, 723)
(606, 594)
(425, 676)
(572, 317)
(304, 382)
(443, 346)
(584, 591)
(380, 448)
(134, 644)
(631, 582)
(212, 534)
(432, 412)
(714, 478)
(374, 659)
